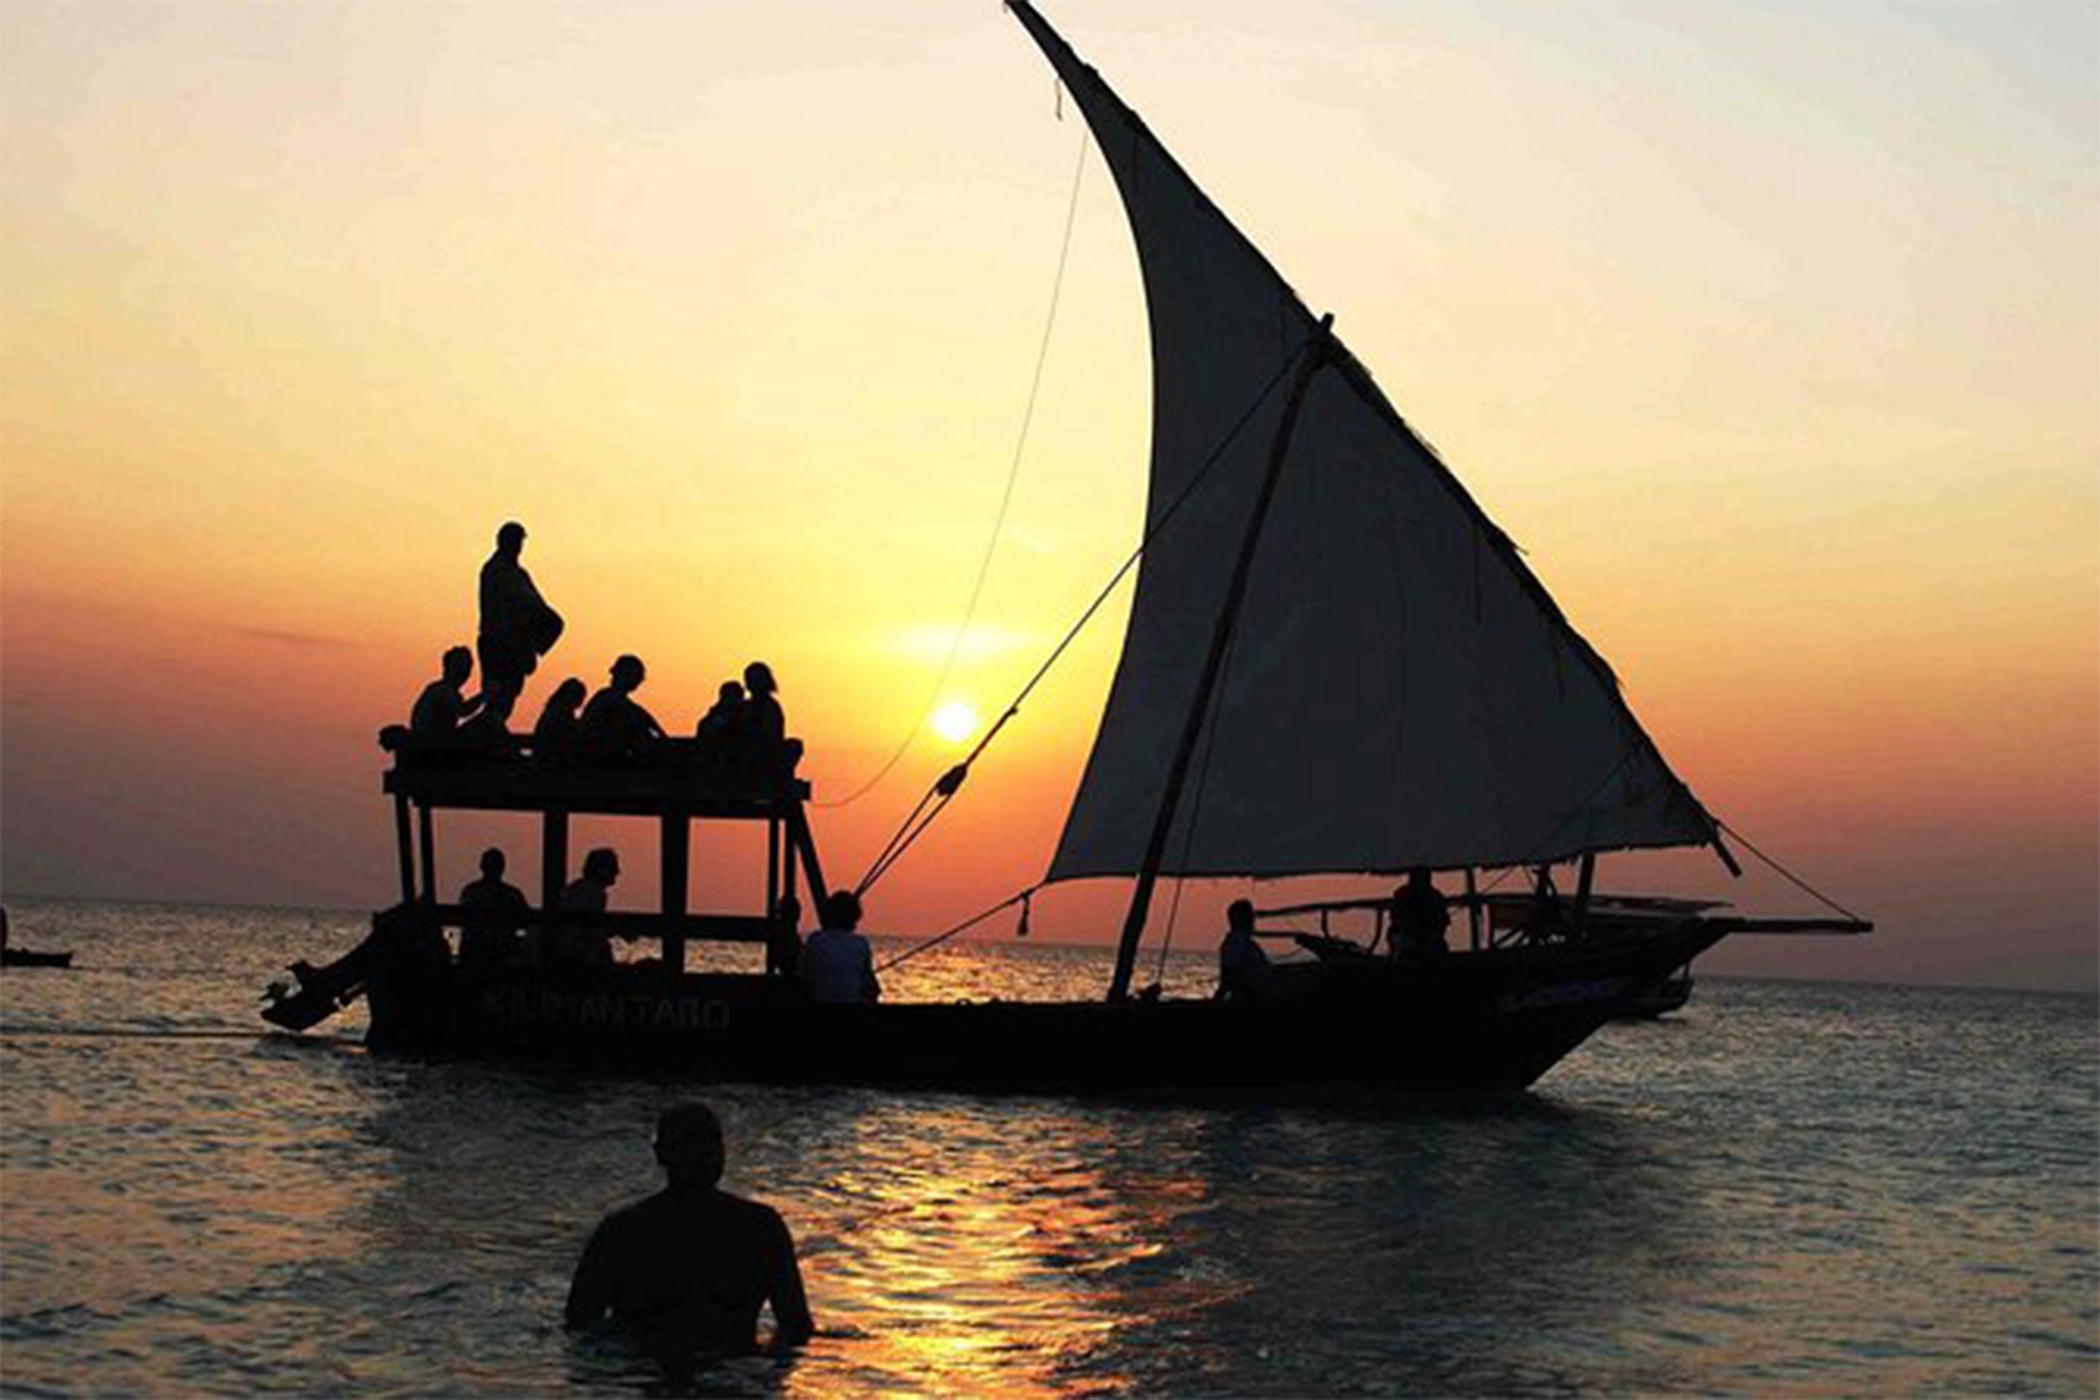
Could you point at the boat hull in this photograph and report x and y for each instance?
(1491, 1020)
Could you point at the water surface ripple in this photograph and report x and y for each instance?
(1787, 1189)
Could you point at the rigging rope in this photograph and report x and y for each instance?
(1020, 897)
(1796, 880)
(1013, 475)
(949, 783)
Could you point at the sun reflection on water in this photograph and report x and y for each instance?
(965, 1258)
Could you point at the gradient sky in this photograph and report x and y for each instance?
(1771, 332)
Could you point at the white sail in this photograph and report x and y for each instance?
(1400, 689)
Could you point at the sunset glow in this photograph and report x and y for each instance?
(1768, 332)
(954, 721)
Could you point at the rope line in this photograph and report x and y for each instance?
(1798, 883)
(950, 782)
(1006, 499)
(971, 922)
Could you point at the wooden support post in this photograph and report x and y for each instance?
(405, 849)
(773, 889)
(774, 915)
(677, 859)
(427, 839)
(1473, 911)
(554, 856)
(798, 832)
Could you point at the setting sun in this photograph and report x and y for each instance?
(954, 721)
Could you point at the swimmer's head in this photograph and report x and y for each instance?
(689, 1145)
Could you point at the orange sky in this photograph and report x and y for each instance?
(1772, 334)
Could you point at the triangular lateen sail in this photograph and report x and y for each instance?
(1401, 690)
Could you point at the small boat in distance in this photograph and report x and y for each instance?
(1335, 664)
(11, 956)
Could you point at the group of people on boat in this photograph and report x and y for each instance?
(745, 727)
(1417, 921)
(497, 930)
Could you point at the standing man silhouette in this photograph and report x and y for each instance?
(692, 1265)
(517, 626)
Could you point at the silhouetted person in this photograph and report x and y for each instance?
(613, 723)
(724, 719)
(586, 945)
(1546, 907)
(517, 626)
(1244, 973)
(1420, 916)
(555, 736)
(692, 1265)
(763, 721)
(784, 938)
(837, 965)
(443, 705)
(494, 911)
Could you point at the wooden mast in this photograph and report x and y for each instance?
(1316, 355)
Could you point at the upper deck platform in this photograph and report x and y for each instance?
(676, 777)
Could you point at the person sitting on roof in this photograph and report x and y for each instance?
(494, 910)
(1420, 916)
(554, 737)
(583, 944)
(1244, 971)
(443, 705)
(517, 626)
(614, 723)
(763, 720)
(837, 964)
(724, 719)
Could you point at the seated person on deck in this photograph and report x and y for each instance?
(1420, 916)
(692, 1265)
(582, 945)
(554, 736)
(442, 705)
(720, 725)
(1244, 971)
(764, 723)
(613, 723)
(494, 910)
(836, 963)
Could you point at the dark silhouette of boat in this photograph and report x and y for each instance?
(1330, 637)
(11, 956)
(30, 957)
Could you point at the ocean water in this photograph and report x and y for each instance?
(1786, 1189)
